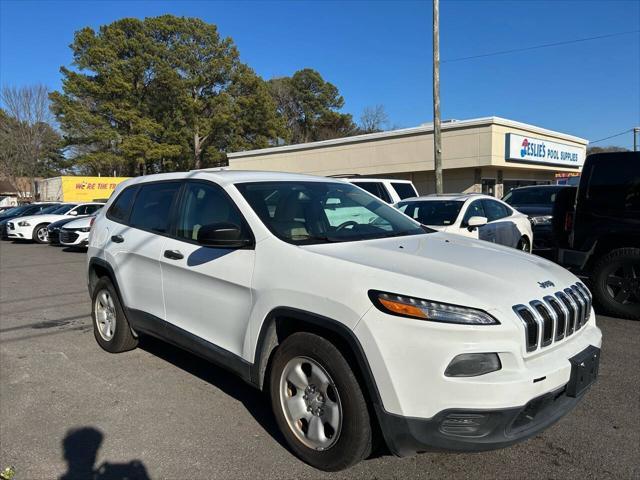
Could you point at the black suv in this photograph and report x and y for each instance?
(599, 233)
(536, 202)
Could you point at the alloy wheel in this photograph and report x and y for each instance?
(105, 315)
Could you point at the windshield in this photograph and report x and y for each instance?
(50, 209)
(532, 196)
(13, 211)
(432, 212)
(62, 209)
(306, 213)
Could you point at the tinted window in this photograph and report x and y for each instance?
(321, 212)
(475, 209)
(432, 212)
(61, 210)
(532, 196)
(494, 210)
(42, 210)
(404, 190)
(91, 209)
(152, 206)
(375, 188)
(119, 210)
(205, 204)
(615, 185)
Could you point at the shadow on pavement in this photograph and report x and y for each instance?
(255, 401)
(80, 448)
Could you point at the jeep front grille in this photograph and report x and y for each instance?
(555, 316)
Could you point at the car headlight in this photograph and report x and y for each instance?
(85, 229)
(24, 223)
(542, 220)
(410, 307)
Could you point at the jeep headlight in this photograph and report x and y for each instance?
(418, 308)
(542, 220)
(24, 223)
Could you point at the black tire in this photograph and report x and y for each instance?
(524, 245)
(122, 338)
(616, 283)
(36, 237)
(354, 442)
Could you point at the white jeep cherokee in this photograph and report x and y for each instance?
(432, 339)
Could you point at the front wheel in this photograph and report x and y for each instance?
(524, 245)
(616, 282)
(318, 403)
(40, 234)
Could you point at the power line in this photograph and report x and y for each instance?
(535, 47)
(612, 136)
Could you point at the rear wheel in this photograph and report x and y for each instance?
(318, 403)
(616, 282)
(524, 244)
(40, 234)
(110, 326)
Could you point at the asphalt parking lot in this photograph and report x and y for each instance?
(69, 408)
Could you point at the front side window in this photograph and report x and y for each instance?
(494, 210)
(152, 206)
(61, 210)
(432, 212)
(531, 196)
(91, 209)
(321, 212)
(404, 190)
(205, 204)
(474, 210)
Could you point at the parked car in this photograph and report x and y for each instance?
(602, 231)
(391, 190)
(35, 227)
(435, 339)
(536, 201)
(76, 232)
(53, 230)
(471, 215)
(24, 210)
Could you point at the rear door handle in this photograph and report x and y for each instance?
(117, 238)
(173, 254)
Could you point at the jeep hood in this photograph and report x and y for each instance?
(453, 269)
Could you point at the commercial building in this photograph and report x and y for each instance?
(490, 155)
(77, 189)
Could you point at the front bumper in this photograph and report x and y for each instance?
(475, 430)
(16, 232)
(74, 238)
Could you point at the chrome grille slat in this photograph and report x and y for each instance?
(555, 317)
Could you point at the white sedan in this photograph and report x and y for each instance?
(472, 215)
(35, 227)
(76, 232)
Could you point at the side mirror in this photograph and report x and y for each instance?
(475, 222)
(222, 235)
(73, 213)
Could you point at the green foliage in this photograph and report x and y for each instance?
(310, 105)
(161, 94)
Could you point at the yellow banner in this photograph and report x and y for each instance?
(88, 189)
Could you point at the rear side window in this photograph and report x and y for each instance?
(494, 210)
(152, 206)
(404, 190)
(119, 211)
(615, 185)
(375, 188)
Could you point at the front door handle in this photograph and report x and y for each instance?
(173, 254)
(117, 238)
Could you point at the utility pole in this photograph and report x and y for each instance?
(636, 130)
(437, 134)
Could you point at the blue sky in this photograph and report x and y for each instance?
(380, 53)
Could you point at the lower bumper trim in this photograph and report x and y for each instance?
(474, 430)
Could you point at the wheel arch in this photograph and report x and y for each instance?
(284, 321)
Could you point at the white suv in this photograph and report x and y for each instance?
(391, 190)
(432, 339)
